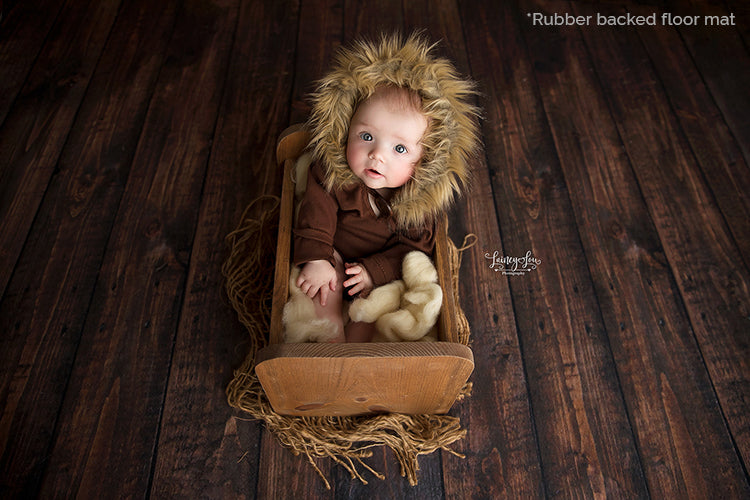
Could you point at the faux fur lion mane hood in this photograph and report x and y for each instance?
(451, 137)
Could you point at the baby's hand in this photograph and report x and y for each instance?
(360, 280)
(317, 276)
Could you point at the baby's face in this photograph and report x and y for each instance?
(384, 141)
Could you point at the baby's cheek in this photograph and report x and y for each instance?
(404, 174)
(354, 154)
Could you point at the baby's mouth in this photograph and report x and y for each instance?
(371, 172)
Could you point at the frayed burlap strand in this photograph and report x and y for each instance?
(249, 268)
(345, 440)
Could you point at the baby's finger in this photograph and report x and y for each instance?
(323, 295)
(356, 289)
(353, 280)
(354, 269)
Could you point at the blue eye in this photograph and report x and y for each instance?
(400, 149)
(366, 136)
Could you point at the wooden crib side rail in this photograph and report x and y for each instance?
(447, 324)
(283, 250)
(289, 147)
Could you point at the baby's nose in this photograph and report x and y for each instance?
(376, 153)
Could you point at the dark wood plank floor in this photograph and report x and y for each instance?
(134, 133)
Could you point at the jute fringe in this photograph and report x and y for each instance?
(345, 440)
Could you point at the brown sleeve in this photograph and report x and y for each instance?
(316, 222)
(385, 266)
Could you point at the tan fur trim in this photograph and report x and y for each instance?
(451, 138)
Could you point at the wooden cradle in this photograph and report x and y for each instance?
(310, 379)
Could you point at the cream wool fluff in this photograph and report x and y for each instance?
(299, 319)
(452, 134)
(403, 310)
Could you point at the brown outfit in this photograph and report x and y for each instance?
(345, 220)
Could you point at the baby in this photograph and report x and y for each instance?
(383, 149)
(391, 132)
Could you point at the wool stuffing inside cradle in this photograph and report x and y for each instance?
(402, 310)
